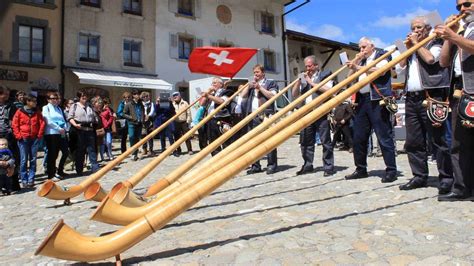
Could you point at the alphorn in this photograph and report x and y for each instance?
(175, 175)
(52, 191)
(63, 242)
(179, 172)
(135, 179)
(110, 211)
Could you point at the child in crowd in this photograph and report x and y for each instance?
(7, 167)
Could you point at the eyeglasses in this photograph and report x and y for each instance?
(465, 4)
(53, 98)
(419, 27)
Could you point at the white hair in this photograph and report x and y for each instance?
(218, 80)
(367, 40)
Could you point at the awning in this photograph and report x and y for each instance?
(116, 79)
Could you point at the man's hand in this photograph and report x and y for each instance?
(412, 39)
(445, 32)
(343, 122)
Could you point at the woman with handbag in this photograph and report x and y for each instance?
(108, 121)
(83, 120)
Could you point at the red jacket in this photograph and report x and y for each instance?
(28, 126)
(107, 118)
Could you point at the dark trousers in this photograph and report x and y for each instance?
(181, 128)
(86, 140)
(271, 157)
(419, 132)
(462, 154)
(214, 133)
(166, 133)
(149, 143)
(307, 142)
(13, 147)
(369, 114)
(5, 183)
(134, 135)
(345, 132)
(123, 137)
(64, 148)
(203, 136)
(53, 143)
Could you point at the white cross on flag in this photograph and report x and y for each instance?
(225, 62)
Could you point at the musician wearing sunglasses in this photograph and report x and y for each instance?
(370, 115)
(458, 53)
(306, 81)
(426, 108)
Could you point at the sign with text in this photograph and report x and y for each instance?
(13, 75)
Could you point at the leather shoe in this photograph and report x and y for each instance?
(389, 178)
(271, 171)
(454, 196)
(414, 183)
(444, 188)
(305, 170)
(357, 175)
(328, 173)
(254, 170)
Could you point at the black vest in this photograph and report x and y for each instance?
(383, 82)
(431, 76)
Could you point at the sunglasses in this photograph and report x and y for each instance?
(53, 98)
(465, 4)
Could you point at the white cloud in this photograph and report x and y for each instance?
(327, 31)
(399, 21)
(378, 42)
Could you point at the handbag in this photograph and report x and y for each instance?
(100, 132)
(466, 110)
(437, 111)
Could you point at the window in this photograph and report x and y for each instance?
(31, 44)
(224, 44)
(37, 1)
(132, 53)
(185, 46)
(306, 51)
(132, 7)
(89, 48)
(93, 3)
(268, 23)
(269, 61)
(185, 7)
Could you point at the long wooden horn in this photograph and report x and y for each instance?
(110, 212)
(53, 191)
(175, 175)
(142, 173)
(180, 171)
(65, 243)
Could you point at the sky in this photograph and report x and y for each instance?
(384, 21)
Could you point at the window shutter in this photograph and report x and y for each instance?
(173, 6)
(174, 52)
(277, 26)
(278, 62)
(260, 57)
(258, 20)
(197, 8)
(198, 42)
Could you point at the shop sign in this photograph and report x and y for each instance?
(13, 75)
(127, 84)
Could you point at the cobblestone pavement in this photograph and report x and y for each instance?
(270, 220)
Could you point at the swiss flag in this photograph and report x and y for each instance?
(225, 62)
